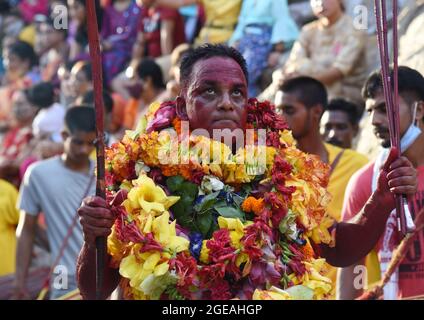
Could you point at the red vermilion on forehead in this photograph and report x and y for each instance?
(224, 70)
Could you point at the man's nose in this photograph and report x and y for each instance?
(375, 118)
(226, 103)
(86, 149)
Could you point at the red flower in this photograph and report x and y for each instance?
(220, 291)
(197, 177)
(273, 139)
(296, 261)
(150, 244)
(186, 269)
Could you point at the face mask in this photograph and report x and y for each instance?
(411, 134)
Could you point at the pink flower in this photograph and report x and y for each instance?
(163, 117)
(263, 272)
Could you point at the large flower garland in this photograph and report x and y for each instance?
(206, 229)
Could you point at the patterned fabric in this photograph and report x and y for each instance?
(339, 46)
(14, 142)
(119, 28)
(255, 47)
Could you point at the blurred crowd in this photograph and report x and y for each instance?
(45, 73)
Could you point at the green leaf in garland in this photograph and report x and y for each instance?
(174, 183)
(204, 223)
(183, 209)
(207, 203)
(229, 212)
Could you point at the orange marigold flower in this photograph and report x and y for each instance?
(307, 250)
(251, 204)
(258, 205)
(176, 123)
(170, 171)
(185, 171)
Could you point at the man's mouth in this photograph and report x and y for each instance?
(335, 142)
(222, 122)
(382, 134)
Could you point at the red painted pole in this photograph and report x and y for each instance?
(96, 61)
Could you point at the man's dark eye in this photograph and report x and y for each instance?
(288, 110)
(78, 142)
(341, 126)
(238, 92)
(210, 91)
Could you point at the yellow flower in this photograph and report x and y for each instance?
(236, 228)
(204, 252)
(144, 270)
(137, 267)
(286, 137)
(273, 293)
(314, 280)
(147, 196)
(164, 232)
(320, 233)
(270, 155)
(116, 248)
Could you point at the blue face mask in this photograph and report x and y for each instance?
(411, 134)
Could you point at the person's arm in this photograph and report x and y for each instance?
(166, 36)
(346, 289)
(86, 274)
(356, 238)
(25, 234)
(96, 220)
(330, 76)
(175, 4)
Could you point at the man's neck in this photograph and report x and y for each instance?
(79, 167)
(150, 96)
(415, 152)
(313, 144)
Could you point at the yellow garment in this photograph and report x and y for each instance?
(28, 34)
(221, 20)
(350, 162)
(9, 218)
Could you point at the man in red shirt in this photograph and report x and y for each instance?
(160, 29)
(408, 281)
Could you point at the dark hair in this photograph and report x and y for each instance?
(24, 51)
(88, 100)
(312, 92)
(41, 95)
(68, 65)
(207, 51)
(411, 84)
(4, 7)
(80, 118)
(350, 108)
(149, 68)
(81, 36)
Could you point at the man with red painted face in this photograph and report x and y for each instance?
(214, 96)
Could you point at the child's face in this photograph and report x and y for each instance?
(76, 11)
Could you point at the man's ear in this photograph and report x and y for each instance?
(420, 113)
(355, 129)
(181, 108)
(317, 112)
